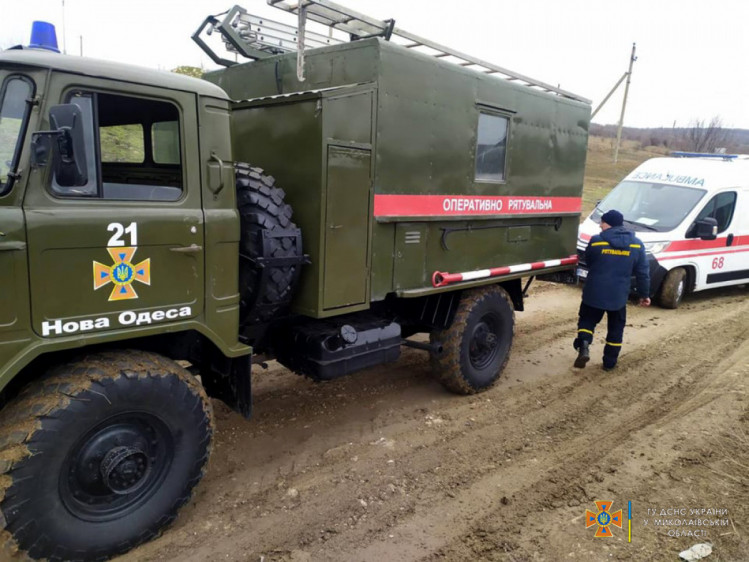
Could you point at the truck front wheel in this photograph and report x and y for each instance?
(98, 456)
(673, 288)
(476, 346)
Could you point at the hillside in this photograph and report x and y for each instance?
(678, 138)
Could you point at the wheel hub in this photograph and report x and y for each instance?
(484, 343)
(485, 340)
(116, 466)
(124, 469)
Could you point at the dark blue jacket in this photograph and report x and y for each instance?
(612, 258)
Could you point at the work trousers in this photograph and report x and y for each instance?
(589, 317)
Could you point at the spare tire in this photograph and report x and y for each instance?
(270, 247)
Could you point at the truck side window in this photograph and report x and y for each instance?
(491, 147)
(165, 142)
(139, 161)
(720, 208)
(14, 113)
(137, 143)
(122, 143)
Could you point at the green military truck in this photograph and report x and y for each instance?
(317, 207)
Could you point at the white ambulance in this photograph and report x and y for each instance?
(692, 213)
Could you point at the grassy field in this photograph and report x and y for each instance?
(601, 174)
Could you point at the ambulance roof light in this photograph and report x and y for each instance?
(678, 154)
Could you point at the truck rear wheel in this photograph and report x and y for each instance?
(98, 456)
(476, 346)
(267, 233)
(673, 288)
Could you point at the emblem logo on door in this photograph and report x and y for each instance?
(122, 273)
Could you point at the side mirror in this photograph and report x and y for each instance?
(66, 145)
(706, 229)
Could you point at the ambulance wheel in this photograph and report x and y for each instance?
(476, 347)
(673, 288)
(97, 456)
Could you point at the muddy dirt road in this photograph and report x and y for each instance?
(385, 465)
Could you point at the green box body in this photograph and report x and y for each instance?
(375, 150)
(374, 120)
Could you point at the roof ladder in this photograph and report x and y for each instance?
(256, 38)
(360, 26)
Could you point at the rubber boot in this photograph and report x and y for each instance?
(583, 354)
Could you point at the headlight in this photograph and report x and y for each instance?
(656, 247)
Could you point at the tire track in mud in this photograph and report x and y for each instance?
(455, 458)
(565, 486)
(671, 395)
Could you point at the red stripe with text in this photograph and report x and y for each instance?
(470, 205)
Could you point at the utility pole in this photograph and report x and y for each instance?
(302, 9)
(64, 44)
(632, 60)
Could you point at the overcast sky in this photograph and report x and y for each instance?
(691, 53)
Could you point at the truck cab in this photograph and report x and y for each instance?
(145, 222)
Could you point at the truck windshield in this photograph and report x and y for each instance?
(13, 116)
(649, 206)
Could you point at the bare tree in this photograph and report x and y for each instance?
(702, 136)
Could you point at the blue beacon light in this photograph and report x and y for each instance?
(43, 36)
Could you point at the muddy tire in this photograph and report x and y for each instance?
(98, 456)
(262, 208)
(476, 347)
(673, 288)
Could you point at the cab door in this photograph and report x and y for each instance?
(125, 249)
(18, 89)
(725, 260)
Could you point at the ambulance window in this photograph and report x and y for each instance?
(720, 208)
(491, 147)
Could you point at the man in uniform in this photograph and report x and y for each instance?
(611, 257)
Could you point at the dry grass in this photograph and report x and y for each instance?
(601, 174)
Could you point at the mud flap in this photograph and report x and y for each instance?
(229, 380)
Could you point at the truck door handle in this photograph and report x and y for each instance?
(335, 226)
(11, 246)
(220, 180)
(191, 249)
